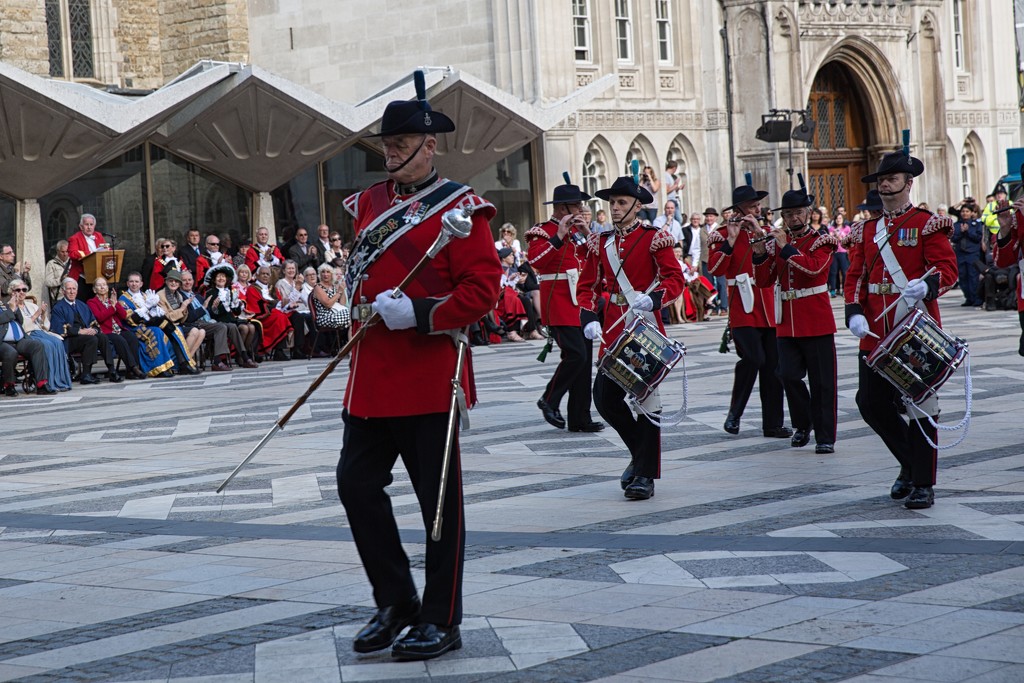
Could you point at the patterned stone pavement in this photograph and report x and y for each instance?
(754, 561)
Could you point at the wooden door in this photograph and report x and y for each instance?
(837, 159)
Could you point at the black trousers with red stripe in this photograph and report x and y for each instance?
(814, 357)
(369, 450)
(878, 401)
(572, 375)
(758, 351)
(641, 436)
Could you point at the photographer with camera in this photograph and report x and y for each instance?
(967, 236)
(650, 182)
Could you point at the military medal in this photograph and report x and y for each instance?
(415, 213)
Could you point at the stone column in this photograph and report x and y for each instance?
(28, 244)
(263, 215)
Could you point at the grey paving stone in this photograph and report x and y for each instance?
(822, 666)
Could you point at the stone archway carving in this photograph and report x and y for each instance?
(885, 107)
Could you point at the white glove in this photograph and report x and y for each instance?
(158, 312)
(859, 326)
(592, 330)
(397, 314)
(643, 303)
(224, 296)
(916, 290)
(151, 298)
(216, 257)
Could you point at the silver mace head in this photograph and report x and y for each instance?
(454, 223)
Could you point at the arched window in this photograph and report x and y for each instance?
(635, 152)
(69, 34)
(594, 175)
(581, 29)
(675, 153)
(968, 171)
(623, 31)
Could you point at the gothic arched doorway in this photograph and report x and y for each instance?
(838, 157)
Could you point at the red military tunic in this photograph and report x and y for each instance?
(1009, 252)
(646, 254)
(730, 262)
(800, 267)
(919, 240)
(78, 249)
(396, 373)
(551, 258)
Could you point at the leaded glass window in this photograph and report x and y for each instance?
(69, 37)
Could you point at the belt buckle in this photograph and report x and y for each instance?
(789, 295)
(620, 299)
(885, 288)
(364, 312)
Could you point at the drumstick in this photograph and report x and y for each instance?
(646, 291)
(900, 297)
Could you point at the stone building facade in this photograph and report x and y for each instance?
(279, 141)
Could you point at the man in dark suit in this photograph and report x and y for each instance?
(14, 341)
(73, 320)
(190, 251)
(302, 252)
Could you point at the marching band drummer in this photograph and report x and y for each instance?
(798, 259)
(751, 314)
(635, 265)
(411, 348)
(1009, 250)
(887, 259)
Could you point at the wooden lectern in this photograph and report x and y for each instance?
(104, 264)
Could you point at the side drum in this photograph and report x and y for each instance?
(917, 356)
(640, 358)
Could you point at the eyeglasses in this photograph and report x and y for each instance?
(167, 246)
(19, 289)
(335, 239)
(213, 244)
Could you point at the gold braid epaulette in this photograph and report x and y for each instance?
(662, 238)
(594, 243)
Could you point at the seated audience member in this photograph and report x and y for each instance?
(144, 308)
(219, 333)
(240, 258)
(309, 280)
(668, 221)
(56, 270)
(302, 253)
(165, 261)
(510, 308)
(225, 306)
(73, 320)
(509, 238)
(35, 323)
(334, 253)
(262, 305)
(289, 296)
(14, 341)
(331, 307)
(214, 255)
(111, 318)
(263, 253)
(175, 310)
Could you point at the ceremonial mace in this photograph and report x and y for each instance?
(454, 223)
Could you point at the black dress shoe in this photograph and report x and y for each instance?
(627, 476)
(426, 641)
(551, 415)
(588, 427)
(920, 497)
(386, 625)
(732, 424)
(188, 370)
(800, 438)
(641, 488)
(12, 391)
(166, 374)
(825, 449)
(902, 486)
(135, 373)
(114, 377)
(45, 390)
(778, 433)
(88, 378)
